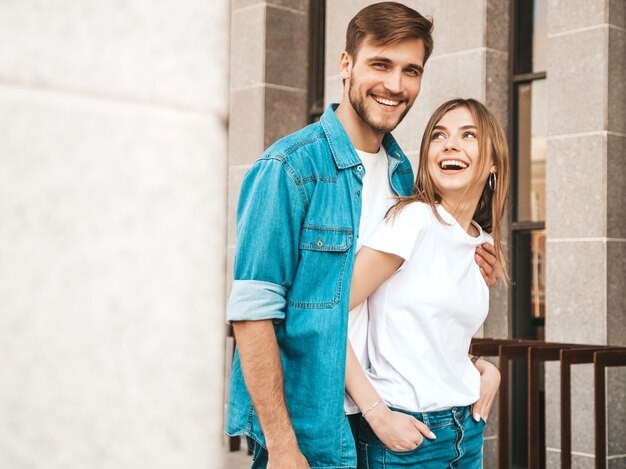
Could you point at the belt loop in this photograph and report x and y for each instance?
(425, 419)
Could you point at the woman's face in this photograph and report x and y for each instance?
(453, 155)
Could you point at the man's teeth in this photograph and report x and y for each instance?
(453, 164)
(387, 102)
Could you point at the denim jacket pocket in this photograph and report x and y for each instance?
(324, 251)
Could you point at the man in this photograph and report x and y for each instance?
(304, 208)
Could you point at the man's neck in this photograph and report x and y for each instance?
(362, 136)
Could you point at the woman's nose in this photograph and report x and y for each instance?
(451, 144)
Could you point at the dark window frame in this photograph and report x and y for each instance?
(523, 324)
(317, 47)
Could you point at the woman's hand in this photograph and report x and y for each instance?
(489, 267)
(489, 384)
(397, 431)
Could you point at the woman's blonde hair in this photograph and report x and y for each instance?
(491, 143)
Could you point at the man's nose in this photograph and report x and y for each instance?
(393, 83)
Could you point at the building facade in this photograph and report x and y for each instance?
(554, 73)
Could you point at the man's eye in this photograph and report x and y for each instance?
(380, 66)
(413, 72)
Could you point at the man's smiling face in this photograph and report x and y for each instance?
(384, 82)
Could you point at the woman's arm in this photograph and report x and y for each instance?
(489, 384)
(371, 268)
(396, 430)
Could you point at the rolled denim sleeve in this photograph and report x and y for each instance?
(269, 218)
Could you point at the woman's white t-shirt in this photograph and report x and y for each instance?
(376, 198)
(423, 317)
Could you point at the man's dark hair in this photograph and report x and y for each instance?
(387, 23)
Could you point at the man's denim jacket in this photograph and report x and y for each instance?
(297, 223)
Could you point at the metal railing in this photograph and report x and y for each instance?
(536, 352)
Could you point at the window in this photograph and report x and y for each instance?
(529, 167)
(529, 153)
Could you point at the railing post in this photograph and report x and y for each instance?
(601, 361)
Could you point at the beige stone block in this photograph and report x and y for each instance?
(616, 300)
(617, 462)
(586, 76)
(566, 15)
(497, 86)
(552, 387)
(553, 458)
(236, 176)
(247, 118)
(498, 25)
(617, 81)
(497, 323)
(279, 123)
(333, 91)
(583, 461)
(617, 13)
(161, 53)
(490, 453)
(299, 5)
(576, 187)
(239, 4)
(576, 292)
(112, 235)
(615, 187)
(616, 411)
(338, 15)
(459, 28)
(286, 48)
(248, 49)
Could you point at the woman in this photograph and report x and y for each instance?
(427, 298)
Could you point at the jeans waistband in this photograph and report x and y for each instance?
(440, 418)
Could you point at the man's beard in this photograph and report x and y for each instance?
(358, 104)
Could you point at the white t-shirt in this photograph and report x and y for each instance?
(376, 198)
(423, 317)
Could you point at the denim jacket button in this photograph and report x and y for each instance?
(319, 243)
(359, 167)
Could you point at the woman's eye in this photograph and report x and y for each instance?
(437, 136)
(469, 135)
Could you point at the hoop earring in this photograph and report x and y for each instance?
(492, 180)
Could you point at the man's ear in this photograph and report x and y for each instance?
(345, 65)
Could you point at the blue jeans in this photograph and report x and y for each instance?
(458, 445)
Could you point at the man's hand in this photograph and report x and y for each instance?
(286, 458)
(489, 384)
(263, 373)
(397, 431)
(486, 260)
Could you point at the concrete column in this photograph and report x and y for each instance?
(268, 86)
(112, 233)
(586, 228)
